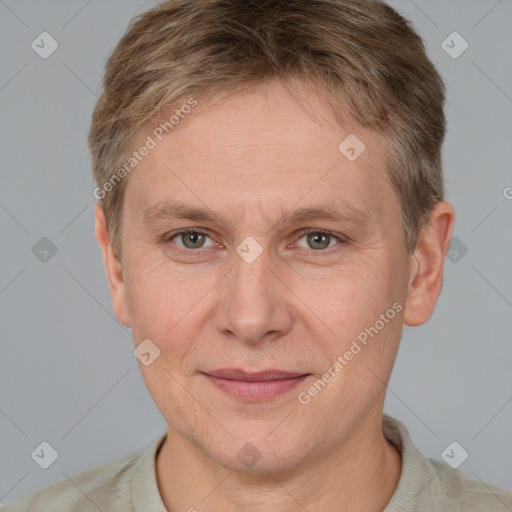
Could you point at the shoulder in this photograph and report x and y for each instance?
(427, 484)
(106, 487)
(462, 492)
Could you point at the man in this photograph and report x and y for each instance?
(271, 214)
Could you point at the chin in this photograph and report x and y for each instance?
(254, 451)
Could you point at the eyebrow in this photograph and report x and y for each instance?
(340, 212)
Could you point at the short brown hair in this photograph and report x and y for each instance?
(364, 55)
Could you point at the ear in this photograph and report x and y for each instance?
(426, 265)
(113, 268)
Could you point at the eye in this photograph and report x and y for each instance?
(189, 238)
(320, 240)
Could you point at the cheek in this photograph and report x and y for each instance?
(171, 311)
(169, 391)
(158, 296)
(350, 298)
(360, 313)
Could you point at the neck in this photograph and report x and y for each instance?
(359, 474)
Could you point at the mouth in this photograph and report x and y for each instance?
(255, 386)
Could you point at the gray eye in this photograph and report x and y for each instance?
(318, 240)
(192, 240)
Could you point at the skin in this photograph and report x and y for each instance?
(248, 159)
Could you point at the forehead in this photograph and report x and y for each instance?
(267, 118)
(263, 146)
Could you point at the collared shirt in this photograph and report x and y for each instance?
(129, 484)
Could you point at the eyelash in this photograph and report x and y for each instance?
(301, 234)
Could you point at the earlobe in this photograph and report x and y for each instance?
(113, 268)
(426, 268)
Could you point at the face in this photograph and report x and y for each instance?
(293, 264)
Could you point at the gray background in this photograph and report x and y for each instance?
(68, 374)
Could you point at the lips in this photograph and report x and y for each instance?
(236, 374)
(255, 386)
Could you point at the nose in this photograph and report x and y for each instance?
(254, 307)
